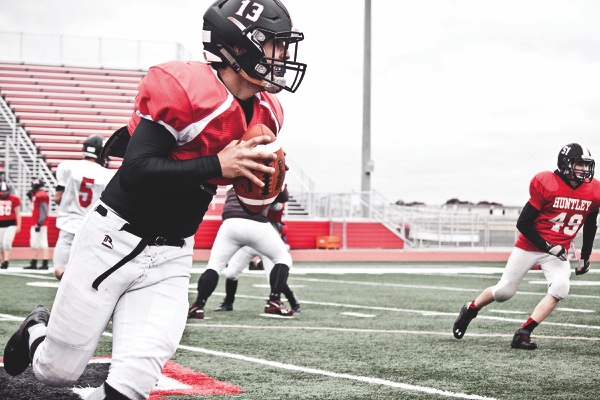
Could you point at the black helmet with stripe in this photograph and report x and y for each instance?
(574, 154)
(236, 32)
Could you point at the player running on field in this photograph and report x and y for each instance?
(131, 260)
(241, 229)
(560, 203)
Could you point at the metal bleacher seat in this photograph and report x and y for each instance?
(59, 107)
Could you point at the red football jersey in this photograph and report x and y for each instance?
(563, 210)
(40, 197)
(7, 208)
(190, 101)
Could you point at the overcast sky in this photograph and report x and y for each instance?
(470, 99)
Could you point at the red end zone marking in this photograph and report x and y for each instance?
(196, 383)
(199, 383)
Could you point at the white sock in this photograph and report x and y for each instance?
(35, 332)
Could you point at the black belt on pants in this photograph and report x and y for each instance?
(146, 240)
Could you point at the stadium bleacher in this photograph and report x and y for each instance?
(60, 106)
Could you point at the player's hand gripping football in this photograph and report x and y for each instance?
(557, 251)
(584, 266)
(240, 159)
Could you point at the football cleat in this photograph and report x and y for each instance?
(16, 352)
(276, 307)
(225, 307)
(522, 340)
(463, 320)
(196, 312)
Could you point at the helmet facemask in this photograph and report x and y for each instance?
(271, 69)
(578, 174)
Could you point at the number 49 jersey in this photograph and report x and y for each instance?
(83, 181)
(563, 210)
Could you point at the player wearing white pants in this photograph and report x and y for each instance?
(241, 259)
(236, 266)
(240, 229)
(556, 271)
(182, 140)
(81, 313)
(560, 203)
(235, 233)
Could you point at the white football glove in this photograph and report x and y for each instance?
(584, 266)
(557, 251)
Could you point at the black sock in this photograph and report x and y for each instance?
(206, 286)
(289, 295)
(529, 325)
(278, 280)
(33, 263)
(230, 290)
(45, 263)
(112, 394)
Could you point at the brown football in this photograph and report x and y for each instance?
(252, 197)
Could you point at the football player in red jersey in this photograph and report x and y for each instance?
(38, 236)
(131, 258)
(10, 222)
(560, 203)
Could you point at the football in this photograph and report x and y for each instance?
(255, 199)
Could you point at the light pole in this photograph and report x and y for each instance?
(367, 163)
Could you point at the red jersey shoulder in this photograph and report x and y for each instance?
(179, 93)
(15, 200)
(273, 104)
(547, 180)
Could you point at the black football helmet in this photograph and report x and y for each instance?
(92, 147)
(4, 190)
(572, 154)
(235, 32)
(37, 184)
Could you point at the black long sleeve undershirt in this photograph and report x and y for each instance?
(525, 226)
(146, 166)
(159, 195)
(589, 233)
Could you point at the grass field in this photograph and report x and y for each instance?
(370, 331)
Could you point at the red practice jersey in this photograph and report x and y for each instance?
(7, 208)
(190, 101)
(563, 210)
(40, 197)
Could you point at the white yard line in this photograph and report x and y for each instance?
(413, 311)
(383, 331)
(314, 371)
